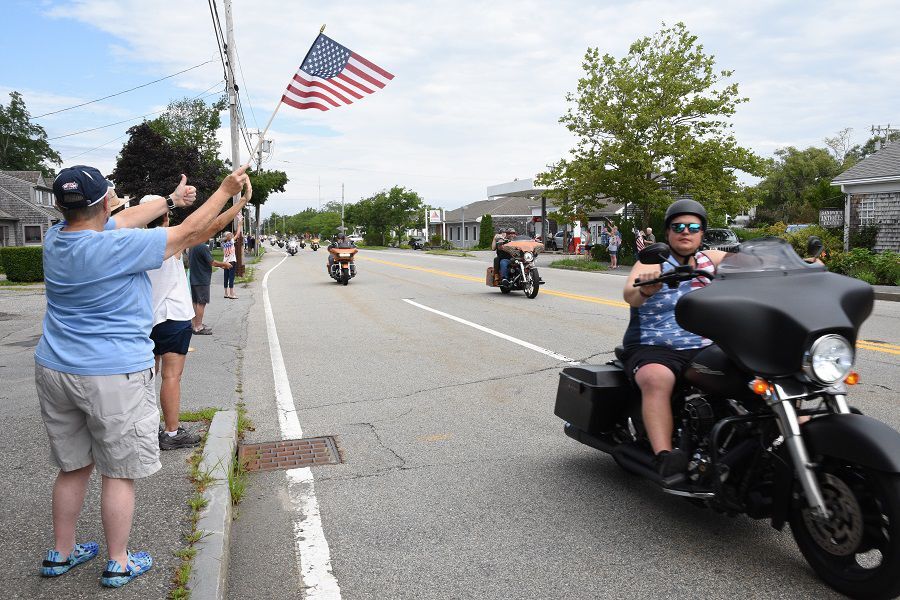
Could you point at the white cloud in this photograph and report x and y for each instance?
(480, 86)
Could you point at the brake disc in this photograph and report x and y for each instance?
(842, 533)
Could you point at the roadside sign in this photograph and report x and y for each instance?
(434, 216)
(830, 218)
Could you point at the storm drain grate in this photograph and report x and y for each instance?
(289, 454)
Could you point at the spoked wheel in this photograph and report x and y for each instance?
(857, 550)
(532, 284)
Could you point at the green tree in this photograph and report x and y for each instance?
(394, 210)
(486, 232)
(193, 123)
(798, 184)
(650, 123)
(23, 144)
(859, 152)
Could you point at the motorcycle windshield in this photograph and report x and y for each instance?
(767, 306)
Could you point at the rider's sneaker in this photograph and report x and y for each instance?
(671, 462)
(117, 575)
(182, 439)
(54, 565)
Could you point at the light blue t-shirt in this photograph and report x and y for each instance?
(99, 312)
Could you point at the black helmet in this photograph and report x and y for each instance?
(686, 206)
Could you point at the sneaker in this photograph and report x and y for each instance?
(54, 565)
(671, 462)
(117, 575)
(204, 331)
(182, 439)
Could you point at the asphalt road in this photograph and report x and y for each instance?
(457, 481)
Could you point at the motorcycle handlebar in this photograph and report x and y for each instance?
(674, 277)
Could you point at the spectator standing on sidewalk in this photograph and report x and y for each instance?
(615, 241)
(649, 237)
(93, 363)
(202, 263)
(229, 255)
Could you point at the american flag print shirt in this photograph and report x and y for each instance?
(653, 323)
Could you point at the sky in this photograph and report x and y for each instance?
(478, 91)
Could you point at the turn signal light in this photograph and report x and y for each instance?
(759, 386)
(852, 378)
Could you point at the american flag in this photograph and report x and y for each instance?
(333, 75)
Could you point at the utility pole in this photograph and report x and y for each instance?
(342, 209)
(232, 89)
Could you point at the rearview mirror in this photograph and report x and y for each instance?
(654, 254)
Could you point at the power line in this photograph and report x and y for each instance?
(202, 94)
(217, 31)
(119, 122)
(123, 91)
(244, 81)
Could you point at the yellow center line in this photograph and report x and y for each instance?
(568, 295)
(864, 344)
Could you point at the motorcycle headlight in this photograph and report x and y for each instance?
(528, 256)
(829, 359)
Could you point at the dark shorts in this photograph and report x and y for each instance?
(613, 252)
(171, 336)
(675, 360)
(200, 294)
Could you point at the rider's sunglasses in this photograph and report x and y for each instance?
(680, 227)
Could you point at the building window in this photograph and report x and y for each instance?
(467, 234)
(32, 234)
(867, 211)
(4, 236)
(458, 234)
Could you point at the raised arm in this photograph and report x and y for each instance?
(139, 216)
(200, 225)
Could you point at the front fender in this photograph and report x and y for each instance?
(855, 438)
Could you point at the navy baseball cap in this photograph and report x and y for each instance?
(84, 181)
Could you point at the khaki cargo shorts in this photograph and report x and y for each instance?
(109, 420)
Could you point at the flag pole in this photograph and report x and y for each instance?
(272, 118)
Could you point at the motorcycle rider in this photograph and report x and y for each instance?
(501, 261)
(340, 241)
(657, 349)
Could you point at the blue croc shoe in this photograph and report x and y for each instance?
(116, 575)
(54, 565)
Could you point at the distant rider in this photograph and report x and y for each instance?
(657, 349)
(340, 241)
(501, 261)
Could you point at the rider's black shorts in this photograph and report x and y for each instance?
(675, 360)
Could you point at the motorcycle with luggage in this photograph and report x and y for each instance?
(523, 274)
(292, 247)
(342, 268)
(314, 244)
(763, 412)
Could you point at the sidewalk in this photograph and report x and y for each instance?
(161, 517)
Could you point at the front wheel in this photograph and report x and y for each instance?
(857, 551)
(345, 276)
(532, 284)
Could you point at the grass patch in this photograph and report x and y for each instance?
(372, 247)
(248, 275)
(578, 264)
(449, 253)
(237, 480)
(192, 416)
(244, 423)
(5, 283)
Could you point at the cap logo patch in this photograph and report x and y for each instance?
(72, 185)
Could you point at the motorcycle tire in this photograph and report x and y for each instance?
(505, 290)
(857, 552)
(533, 285)
(345, 277)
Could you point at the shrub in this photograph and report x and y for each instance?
(599, 253)
(864, 237)
(486, 232)
(830, 240)
(23, 263)
(875, 269)
(887, 268)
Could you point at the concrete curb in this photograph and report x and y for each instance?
(210, 569)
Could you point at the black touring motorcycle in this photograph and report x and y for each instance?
(763, 413)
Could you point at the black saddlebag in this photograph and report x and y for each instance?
(592, 397)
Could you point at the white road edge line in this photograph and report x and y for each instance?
(313, 555)
(493, 332)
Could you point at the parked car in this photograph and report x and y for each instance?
(720, 239)
(416, 243)
(356, 239)
(794, 228)
(556, 242)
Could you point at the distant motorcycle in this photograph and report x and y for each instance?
(342, 269)
(292, 247)
(302, 244)
(314, 244)
(523, 274)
